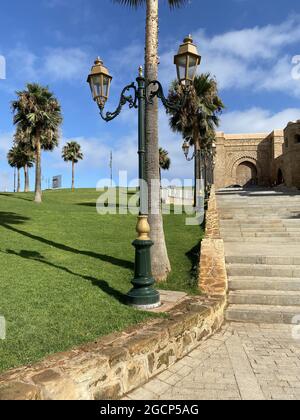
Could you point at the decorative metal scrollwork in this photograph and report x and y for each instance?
(124, 99)
(159, 93)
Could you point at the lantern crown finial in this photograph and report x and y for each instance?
(187, 60)
(188, 39)
(98, 61)
(99, 80)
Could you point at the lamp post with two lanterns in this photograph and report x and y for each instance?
(205, 157)
(197, 157)
(136, 95)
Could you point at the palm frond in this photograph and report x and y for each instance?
(137, 3)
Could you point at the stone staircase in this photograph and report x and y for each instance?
(261, 231)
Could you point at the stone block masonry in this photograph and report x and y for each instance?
(120, 363)
(115, 365)
(213, 275)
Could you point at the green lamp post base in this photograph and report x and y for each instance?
(143, 295)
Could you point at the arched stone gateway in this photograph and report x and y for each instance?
(255, 158)
(246, 172)
(280, 177)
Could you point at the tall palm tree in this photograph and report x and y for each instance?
(160, 261)
(14, 160)
(164, 160)
(37, 114)
(27, 157)
(72, 153)
(19, 157)
(28, 162)
(198, 119)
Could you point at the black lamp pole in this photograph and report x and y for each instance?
(143, 295)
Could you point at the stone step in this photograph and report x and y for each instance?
(257, 202)
(263, 270)
(253, 232)
(237, 234)
(262, 314)
(264, 297)
(236, 283)
(285, 240)
(255, 213)
(259, 223)
(254, 219)
(268, 208)
(255, 229)
(261, 259)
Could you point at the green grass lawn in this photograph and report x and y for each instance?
(64, 269)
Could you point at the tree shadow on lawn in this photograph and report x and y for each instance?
(8, 219)
(36, 256)
(11, 195)
(194, 256)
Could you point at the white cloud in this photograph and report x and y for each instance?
(22, 63)
(6, 180)
(257, 120)
(5, 144)
(66, 64)
(253, 58)
(258, 42)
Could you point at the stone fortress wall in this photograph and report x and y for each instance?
(259, 159)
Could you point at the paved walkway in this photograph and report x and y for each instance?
(242, 362)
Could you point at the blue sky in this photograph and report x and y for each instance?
(248, 44)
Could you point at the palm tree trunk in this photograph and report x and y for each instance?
(38, 174)
(19, 181)
(15, 180)
(26, 177)
(198, 169)
(160, 261)
(73, 176)
(195, 177)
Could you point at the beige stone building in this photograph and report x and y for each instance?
(259, 159)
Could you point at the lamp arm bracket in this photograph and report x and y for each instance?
(130, 99)
(159, 93)
(191, 158)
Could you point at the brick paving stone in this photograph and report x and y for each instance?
(240, 361)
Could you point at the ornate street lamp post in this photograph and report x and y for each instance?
(143, 295)
(214, 156)
(197, 156)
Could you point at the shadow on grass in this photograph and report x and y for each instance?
(16, 197)
(194, 257)
(109, 206)
(36, 256)
(8, 219)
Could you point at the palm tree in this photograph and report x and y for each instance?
(28, 162)
(27, 157)
(37, 114)
(13, 158)
(164, 160)
(72, 153)
(198, 119)
(160, 261)
(18, 157)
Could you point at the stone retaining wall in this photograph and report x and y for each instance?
(117, 364)
(213, 274)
